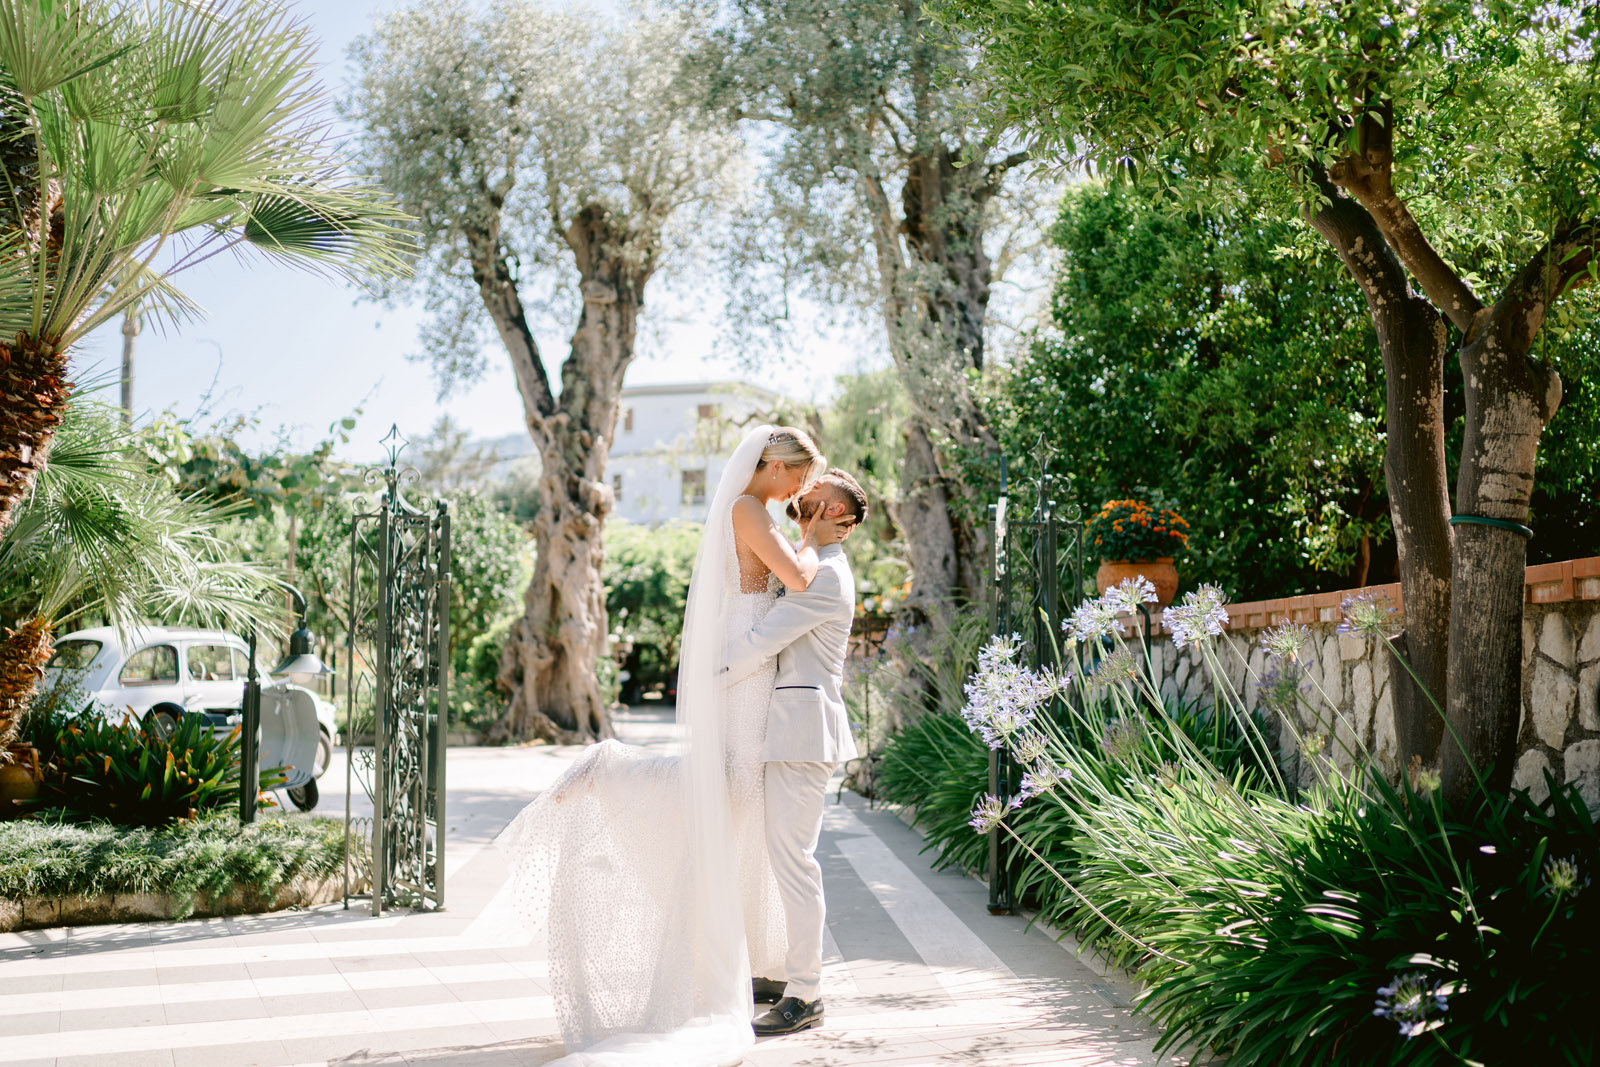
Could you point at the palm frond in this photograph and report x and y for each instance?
(102, 533)
(45, 46)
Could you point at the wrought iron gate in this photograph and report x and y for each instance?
(400, 627)
(1036, 573)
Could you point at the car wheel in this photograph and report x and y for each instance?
(324, 752)
(162, 723)
(305, 797)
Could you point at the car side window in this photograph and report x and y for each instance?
(155, 665)
(210, 663)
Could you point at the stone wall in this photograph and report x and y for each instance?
(1348, 705)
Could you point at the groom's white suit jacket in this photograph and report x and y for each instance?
(809, 633)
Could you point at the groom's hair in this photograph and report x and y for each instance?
(850, 490)
(845, 489)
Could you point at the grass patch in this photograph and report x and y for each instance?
(51, 856)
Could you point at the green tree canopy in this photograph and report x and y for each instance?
(1446, 152)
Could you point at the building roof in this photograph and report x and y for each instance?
(732, 385)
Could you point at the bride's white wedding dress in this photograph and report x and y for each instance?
(650, 871)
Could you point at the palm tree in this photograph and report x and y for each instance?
(139, 138)
(103, 534)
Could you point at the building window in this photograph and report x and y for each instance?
(616, 487)
(708, 412)
(627, 420)
(694, 487)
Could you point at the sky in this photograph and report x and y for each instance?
(297, 352)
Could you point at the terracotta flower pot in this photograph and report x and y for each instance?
(19, 779)
(1161, 572)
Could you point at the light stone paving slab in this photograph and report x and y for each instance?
(915, 972)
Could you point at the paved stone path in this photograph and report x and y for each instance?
(917, 972)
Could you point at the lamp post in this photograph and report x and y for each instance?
(300, 660)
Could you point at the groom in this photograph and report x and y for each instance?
(808, 735)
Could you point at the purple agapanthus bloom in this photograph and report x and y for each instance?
(1365, 615)
(1028, 746)
(1043, 777)
(1092, 620)
(987, 815)
(1128, 594)
(1286, 639)
(1413, 1002)
(1201, 615)
(1003, 696)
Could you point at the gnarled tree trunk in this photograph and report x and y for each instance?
(935, 280)
(550, 659)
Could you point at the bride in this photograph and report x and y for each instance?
(651, 871)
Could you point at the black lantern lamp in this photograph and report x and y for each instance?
(301, 660)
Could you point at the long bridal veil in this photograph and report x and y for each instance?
(629, 861)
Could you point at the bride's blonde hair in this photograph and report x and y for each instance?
(793, 447)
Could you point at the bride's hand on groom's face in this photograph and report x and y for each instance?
(826, 529)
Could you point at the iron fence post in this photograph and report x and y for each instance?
(249, 741)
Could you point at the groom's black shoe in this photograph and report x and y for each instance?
(767, 990)
(788, 1016)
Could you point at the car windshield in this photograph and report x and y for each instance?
(74, 655)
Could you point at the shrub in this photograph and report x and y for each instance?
(646, 577)
(1355, 923)
(1132, 529)
(124, 774)
(212, 855)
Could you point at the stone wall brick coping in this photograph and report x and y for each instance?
(1548, 583)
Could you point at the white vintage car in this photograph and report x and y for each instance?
(159, 674)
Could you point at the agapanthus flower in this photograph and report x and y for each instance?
(1120, 666)
(1202, 614)
(1041, 778)
(1425, 780)
(1314, 744)
(1286, 639)
(1365, 615)
(1413, 1002)
(1000, 650)
(1283, 682)
(1122, 739)
(987, 815)
(899, 631)
(1128, 594)
(1003, 696)
(1092, 620)
(1028, 746)
(1561, 877)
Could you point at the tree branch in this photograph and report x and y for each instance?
(497, 287)
(1564, 263)
(1355, 236)
(1367, 175)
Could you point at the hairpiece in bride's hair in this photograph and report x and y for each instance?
(772, 438)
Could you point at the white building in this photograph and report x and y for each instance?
(671, 444)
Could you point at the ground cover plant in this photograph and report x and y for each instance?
(1352, 922)
(211, 855)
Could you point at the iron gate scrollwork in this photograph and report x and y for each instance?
(400, 626)
(1036, 572)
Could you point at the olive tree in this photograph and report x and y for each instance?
(547, 157)
(880, 190)
(1445, 150)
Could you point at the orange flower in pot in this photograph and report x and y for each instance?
(1133, 537)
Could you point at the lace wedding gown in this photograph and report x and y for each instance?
(606, 859)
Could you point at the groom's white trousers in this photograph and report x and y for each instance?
(794, 821)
